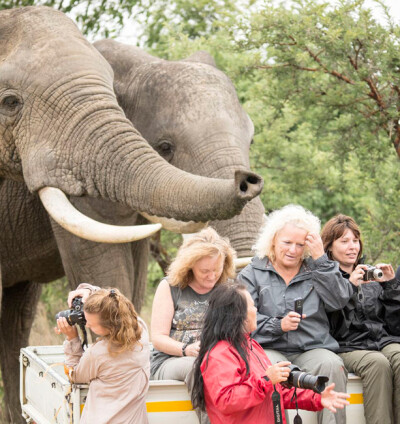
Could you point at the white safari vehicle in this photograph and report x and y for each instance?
(47, 397)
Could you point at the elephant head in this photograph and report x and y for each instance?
(190, 114)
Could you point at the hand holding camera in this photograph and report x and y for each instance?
(83, 294)
(67, 319)
(366, 273)
(278, 372)
(64, 328)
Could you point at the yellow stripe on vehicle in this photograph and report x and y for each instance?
(186, 405)
(171, 406)
(356, 399)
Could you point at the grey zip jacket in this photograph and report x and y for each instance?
(321, 286)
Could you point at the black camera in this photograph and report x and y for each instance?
(304, 380)
(372, 273)
(74, 315)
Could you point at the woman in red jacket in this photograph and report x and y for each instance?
(234, 379)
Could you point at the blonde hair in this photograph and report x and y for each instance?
(276, 221)
(205, 243)
(117, 314)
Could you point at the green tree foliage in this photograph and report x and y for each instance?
(104, 18)
(338, 57)
(187, 17)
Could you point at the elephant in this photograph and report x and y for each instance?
(62, 133)
(189, 112)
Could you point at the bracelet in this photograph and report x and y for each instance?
(183, 349)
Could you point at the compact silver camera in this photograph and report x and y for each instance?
(372, 273)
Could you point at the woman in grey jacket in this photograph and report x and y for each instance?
(290, 265)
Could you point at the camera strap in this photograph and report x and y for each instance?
(297, 418)
(85, 340)
(276, 403)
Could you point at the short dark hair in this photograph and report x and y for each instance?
(224, 320)
(335, 228)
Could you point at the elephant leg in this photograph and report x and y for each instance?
(17, 313)
(140, 255)
(104, 265)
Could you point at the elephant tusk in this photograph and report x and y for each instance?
(176, 226)
(242, 262)
(67, 216)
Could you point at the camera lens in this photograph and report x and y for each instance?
(305, 380)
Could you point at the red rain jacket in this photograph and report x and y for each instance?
(232, 397)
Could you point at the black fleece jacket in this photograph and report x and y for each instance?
(371, 319)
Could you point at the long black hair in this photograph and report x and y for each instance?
(224, 320)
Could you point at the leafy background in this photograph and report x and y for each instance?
(321, 82)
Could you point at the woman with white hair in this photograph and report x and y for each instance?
(291, 267)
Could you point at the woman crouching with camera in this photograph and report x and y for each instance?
(117, 366)
(367, 327)
(234, 379)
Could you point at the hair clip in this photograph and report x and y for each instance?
(113, 293)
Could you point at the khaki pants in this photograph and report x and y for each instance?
(319, 362)
(380, 374)
(180, 368)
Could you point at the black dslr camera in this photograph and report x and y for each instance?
(372, 273)
(304, 380)
(74, 315)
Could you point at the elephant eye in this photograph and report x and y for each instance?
(165, 149)
(11, 102)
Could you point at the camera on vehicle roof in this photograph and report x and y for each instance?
(305, 380)
(74, 315)
(372, 273)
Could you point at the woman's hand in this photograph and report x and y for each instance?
(64, 328)
(278, 372)
(356, 277)
(291, 321)
(314, 243)
(334, 400)
(193, 349)
(388, 272)
(83, 293)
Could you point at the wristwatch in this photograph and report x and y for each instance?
(183, 348)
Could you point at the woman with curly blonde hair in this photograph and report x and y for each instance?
(116, 367)
(204, 261)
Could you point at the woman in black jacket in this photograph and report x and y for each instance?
(369, 343)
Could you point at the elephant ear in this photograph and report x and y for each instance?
(201, 57)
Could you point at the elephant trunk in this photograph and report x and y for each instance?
(155, 187)
(116, 163)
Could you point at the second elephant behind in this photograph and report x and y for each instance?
(189, 112)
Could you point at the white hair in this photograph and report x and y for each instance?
(276, 220)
